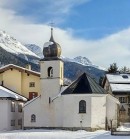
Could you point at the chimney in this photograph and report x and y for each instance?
(28, 66)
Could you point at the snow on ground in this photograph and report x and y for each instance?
(58, 134)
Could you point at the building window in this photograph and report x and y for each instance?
(128, 99)
(19, 121)
(129, 111)
(12, 122)
(50, 72)
(32, 84)
(33, 118)
(82, 106)
(2, 83)
(123, 99)
(12, 106)
(20, 105)
(107, 88)
(32, 95)
(61, 73)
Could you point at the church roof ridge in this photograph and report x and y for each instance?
(84, 85)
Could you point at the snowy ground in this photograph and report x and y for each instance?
(59, 134)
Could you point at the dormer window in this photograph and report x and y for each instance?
(50, 72)
(125, 76)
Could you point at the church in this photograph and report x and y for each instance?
(81, 105)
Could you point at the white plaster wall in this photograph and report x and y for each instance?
(98, 111)
(71, 116)
(112, 110)
(6, 115)
(14, 115)
(56, 64)
(3, 115)
(33, 107)
(50, 88)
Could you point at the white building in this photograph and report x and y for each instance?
(83, 104)
(119, 85)
(11, 114)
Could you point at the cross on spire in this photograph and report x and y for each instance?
(51, 24)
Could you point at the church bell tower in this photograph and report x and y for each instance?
(51, 68)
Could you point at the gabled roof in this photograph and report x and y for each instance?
(120, 88)
(122, 108)
(84, 85)
(118, 78)
(6, 93)
(21, 69)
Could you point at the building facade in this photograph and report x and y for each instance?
(11, 107)
(119, 86)
(21, 80)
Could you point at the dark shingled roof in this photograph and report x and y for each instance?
(84, 85)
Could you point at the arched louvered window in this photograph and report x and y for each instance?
(82, 106)
(50, 72)
(33, 118)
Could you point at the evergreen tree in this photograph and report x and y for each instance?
(124, 70)
(113, 68)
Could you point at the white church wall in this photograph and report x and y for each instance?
(57, 66)
(98, 112)
(112, 110)
(50, 88)
(71, 116)
(33, 107)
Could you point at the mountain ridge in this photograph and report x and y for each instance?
(72, 67)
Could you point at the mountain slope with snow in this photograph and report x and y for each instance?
(83, 61)
(79, 59)
(11, 45)
(35, 49)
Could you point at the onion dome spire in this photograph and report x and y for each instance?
(51, 49)
(51, 38)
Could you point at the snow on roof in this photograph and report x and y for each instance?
(7, 67)
(118, 78)
(6, 93)
(120, 87)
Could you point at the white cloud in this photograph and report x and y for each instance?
(114, 48)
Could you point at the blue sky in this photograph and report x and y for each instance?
(90, 19)
(96, 29)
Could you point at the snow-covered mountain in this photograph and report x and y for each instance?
(79, 59)
(35, 49)
(83, 61)
(10, 44)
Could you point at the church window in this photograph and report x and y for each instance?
(50, 72)
(82, 106)
(33, 118)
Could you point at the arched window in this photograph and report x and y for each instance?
(82, 106)
(33, 118)
(50, 72)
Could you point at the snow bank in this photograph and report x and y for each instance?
(58, 134)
